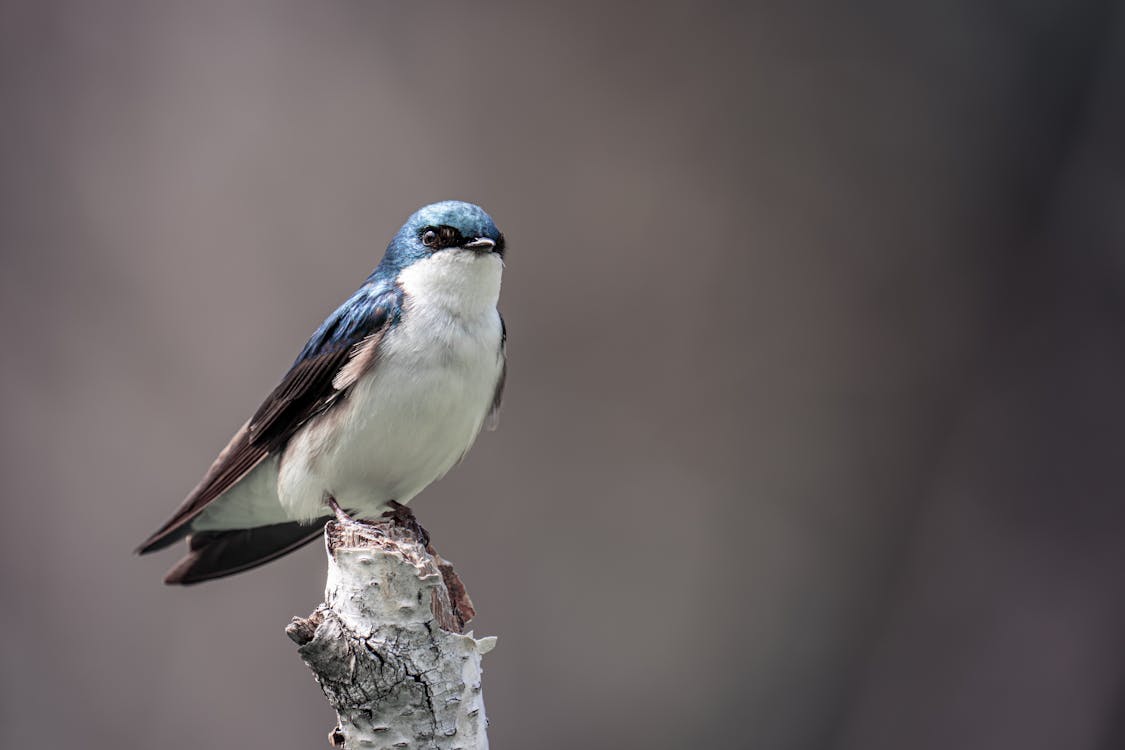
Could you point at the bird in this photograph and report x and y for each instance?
(387, 395)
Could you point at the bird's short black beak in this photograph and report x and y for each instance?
(484, 244)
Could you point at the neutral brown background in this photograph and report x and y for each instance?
(814, 431)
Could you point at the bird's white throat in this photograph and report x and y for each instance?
(460, 282)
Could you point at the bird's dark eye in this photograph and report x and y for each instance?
(430, 238)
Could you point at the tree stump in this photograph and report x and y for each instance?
(388, 646)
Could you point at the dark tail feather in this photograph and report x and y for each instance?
(163, 538)
(215, 554)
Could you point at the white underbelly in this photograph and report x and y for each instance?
(404, 424)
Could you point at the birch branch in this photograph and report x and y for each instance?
(387, 646)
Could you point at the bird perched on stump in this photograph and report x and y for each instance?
(388, 394)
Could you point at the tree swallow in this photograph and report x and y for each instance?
(388, 394)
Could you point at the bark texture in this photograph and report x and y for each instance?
(387, 645)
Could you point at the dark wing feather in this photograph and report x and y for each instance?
(235, 462)
(306, 390)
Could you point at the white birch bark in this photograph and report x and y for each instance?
(386, 646)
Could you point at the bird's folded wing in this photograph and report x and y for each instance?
(493, 417)
(311, 386)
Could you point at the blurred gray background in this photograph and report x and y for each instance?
(815, 424)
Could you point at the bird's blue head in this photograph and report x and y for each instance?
(442, 227)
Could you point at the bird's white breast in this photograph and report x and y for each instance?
(415, 412)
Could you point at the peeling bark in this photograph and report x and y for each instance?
(387, 646)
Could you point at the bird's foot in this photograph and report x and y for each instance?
(404, 517)
(341, 515)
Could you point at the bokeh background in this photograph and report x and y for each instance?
(815, 427)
